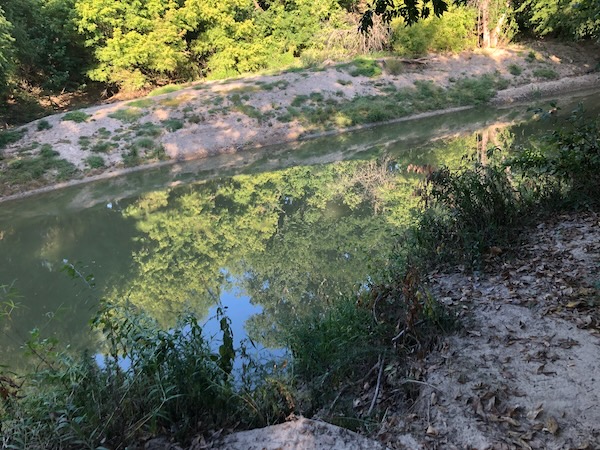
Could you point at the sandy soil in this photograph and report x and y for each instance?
(224, 117)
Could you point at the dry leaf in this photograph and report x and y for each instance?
(533, 414)
(551, 425)
(431, 431)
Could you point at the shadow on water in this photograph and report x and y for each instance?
(272, 234)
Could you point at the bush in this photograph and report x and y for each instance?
(95, 162)
(453, 32)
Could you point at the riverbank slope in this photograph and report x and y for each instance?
(205, 119)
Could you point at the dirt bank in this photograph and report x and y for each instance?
(223, 117)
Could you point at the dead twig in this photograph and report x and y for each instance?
(381, 365)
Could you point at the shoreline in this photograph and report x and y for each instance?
(247, 118)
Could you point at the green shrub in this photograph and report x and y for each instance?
(102, 147)
(515, 69)
(147, 129)
(467, 212)
(453, 32)
(10, 137)
(43, 125)
(76, 116)
(127, 115)
(393, 66)
(95, 161)
(172, 124)
(364, 67)
(548, 74)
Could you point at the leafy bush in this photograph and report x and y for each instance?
(150, 379)
(467, 212)
(565, 164)
(453, 32)
(43, 125)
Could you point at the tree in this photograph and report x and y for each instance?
(47, 46)
(410, 10)
(575, 19)
(6, 52)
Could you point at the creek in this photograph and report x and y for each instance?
(268, 234)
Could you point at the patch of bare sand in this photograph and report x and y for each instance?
(525, 371)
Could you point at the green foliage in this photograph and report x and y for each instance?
(172, 124)
(467, 212)
(365, 67)
(10, 137)
(549, 74)
(139, 43)
(515, 69)
(43, 125)
(141, 103)
(47, 46)
(127, 115)
(7, 64)
(37, 168)
(575, 19)
(76, 116)
(163, 90)
(453, 32)
(95, 161)
(564, 165)
(102, 147)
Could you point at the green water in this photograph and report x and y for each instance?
(270, 234)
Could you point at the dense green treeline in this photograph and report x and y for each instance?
(60, 45)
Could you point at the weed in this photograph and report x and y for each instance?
(365, 68)
(145, 143)
(548, 74)
(95, 161)
(84, 142)
(103, 133)
(172, 124)
(280, 84)
(127, 115)
(141, 103)
(393, 66)
(131, 158)
(299, 100)
(76, 116)
(531, 56)
(43, 125)
(344, 82)
(174, 102)
(103, 147)
(196, 118)
(46, 165)
(10, 137)
(147, 129)
(165, 90)
(515, 69)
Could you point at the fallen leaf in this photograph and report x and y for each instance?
(534, 413)
(551, 425)
(431, 431)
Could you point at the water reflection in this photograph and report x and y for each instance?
(271, 245)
